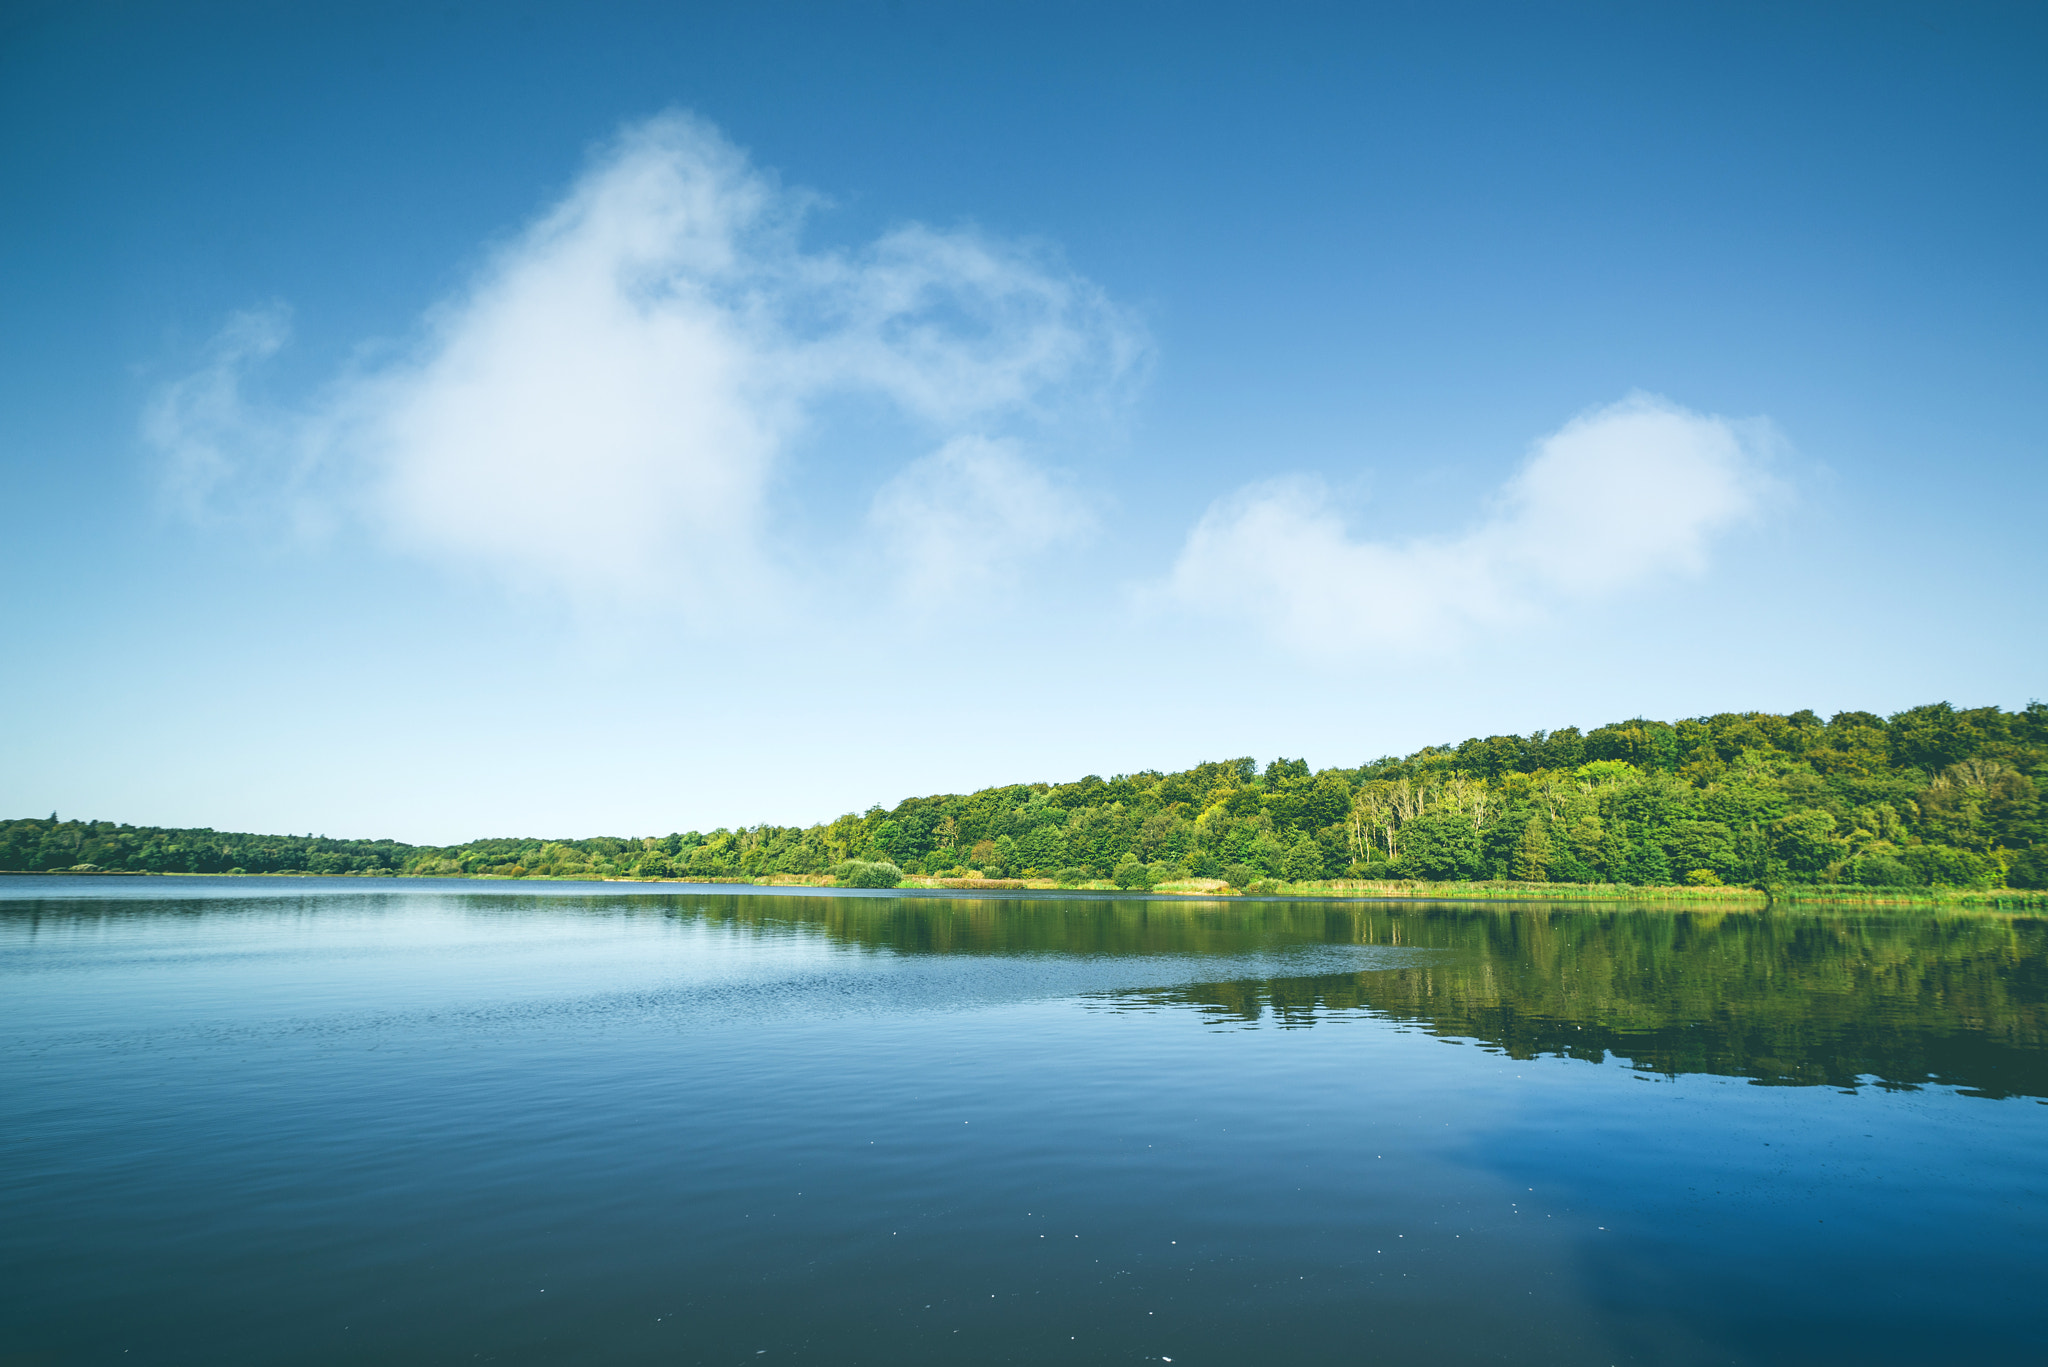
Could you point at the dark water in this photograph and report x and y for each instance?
(260, 1121)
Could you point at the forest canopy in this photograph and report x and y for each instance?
(1934, 795)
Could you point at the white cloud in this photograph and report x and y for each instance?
(1623, 495)
(202, 423)
(962, 518)
(606, 408)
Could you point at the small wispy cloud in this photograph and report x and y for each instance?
(1620, 496)
(203, 424)
(605, 409)
(961, 520)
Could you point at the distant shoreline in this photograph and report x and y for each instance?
(1332, 890)
(1932, 806)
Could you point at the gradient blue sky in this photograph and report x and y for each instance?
(440, 421)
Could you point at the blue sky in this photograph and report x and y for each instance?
(546, 419)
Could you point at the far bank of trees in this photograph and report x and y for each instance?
(1932, 795)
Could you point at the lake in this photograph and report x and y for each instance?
(339, 1121)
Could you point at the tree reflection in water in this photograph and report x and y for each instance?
(1895, 1000)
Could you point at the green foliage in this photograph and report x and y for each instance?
(2030, 870)
(1304, 860)
(39, 844)
(1933, 795)
(862, 873)
(1880, 871)
(1439, 845)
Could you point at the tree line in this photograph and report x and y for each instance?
(1934, 795)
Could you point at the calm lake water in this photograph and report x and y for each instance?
(287, 1121)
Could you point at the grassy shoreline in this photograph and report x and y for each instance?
(1210, 889)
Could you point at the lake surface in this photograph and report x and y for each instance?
(303, 1121)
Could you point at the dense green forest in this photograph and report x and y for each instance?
(1934, 795)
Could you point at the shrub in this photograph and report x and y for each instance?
(862, 873)
(1132, 875)
(1238, 875)
(2030, 870)
(1704, 878)
(1956, 868)
(1073, 876)
(1881, 871)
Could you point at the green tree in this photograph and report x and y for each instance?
(1440, 845)
(1807, 842)
(1532, 853)
(1303, 862)
(2030, 870)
